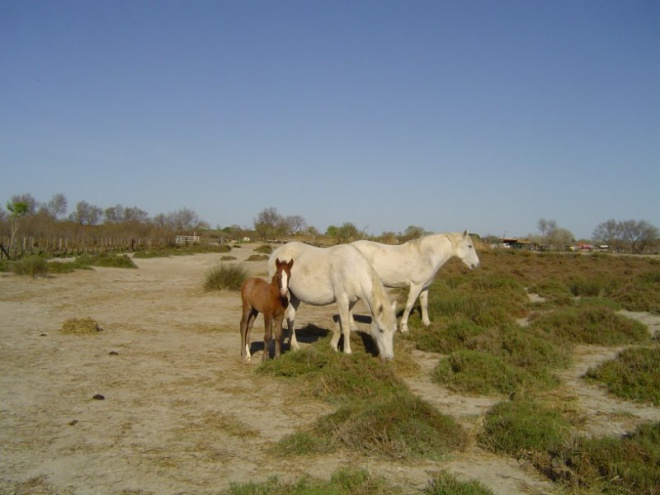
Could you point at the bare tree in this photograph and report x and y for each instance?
(638, 234)
(114, 214)
(606, 232)
(295, 224)
(546, 227)
(270, 224)
(185, 220)
(17, 211)
(86, 214)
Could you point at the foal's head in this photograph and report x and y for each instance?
(283, 274)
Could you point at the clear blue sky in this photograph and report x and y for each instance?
(449, 115)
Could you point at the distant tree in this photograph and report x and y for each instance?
(638, 234)
(56, 207)
(635, 235)
(270, 224)
(311, 230)
(560, 237)
(135, 214)
(606, 232)
(114, 214)
(348, 232)
(27, 200)
(86, 214)
(295, 224)
(185, 220)
(413, 232)
(388, 238)
(546, 227)
(17, 211)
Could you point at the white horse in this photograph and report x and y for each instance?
(415, 263)
(321, 276)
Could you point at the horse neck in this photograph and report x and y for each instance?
(441, 248)
(377, 297)
(274, 283)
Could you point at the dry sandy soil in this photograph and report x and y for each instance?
(181, 414)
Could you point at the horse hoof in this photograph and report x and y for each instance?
(405, 329)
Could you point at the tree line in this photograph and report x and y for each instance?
(51, 218)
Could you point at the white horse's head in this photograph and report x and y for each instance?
(383, 327)
(464, 250)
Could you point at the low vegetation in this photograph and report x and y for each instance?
(633, 375)
(35, 266)
(81, 326)
(357, 482)
(228, 276)
(376, 414)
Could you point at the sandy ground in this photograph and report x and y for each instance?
(180, 413)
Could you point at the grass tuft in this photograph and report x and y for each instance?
(518, 426)
(32, 266)
(81, 326)
(225, 276)
(633, 375)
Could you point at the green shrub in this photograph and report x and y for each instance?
(399, 427)
(445, 483)
(264, 249)
(225, 276)
(32, 266)
(626, 465)
(591, 325)
(342, 482)
(112, 261)
(483, 373)
(633, 375)
(335, 376)
(638, 296)
(518, 426)
(257, 257)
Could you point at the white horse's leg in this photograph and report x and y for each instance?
(412, 297)
(424, 302)
(290, 321)
(345, 323)
(353, 325)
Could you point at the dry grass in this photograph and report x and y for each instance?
(81, 326)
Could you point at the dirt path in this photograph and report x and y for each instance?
(180, 413)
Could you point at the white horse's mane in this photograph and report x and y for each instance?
(416, 244)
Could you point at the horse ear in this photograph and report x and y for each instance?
(277, 262)
(290, 263)
(465, 234)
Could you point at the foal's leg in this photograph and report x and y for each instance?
(247, 320)
(290, 313)
(277, 330)
(268, 335)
